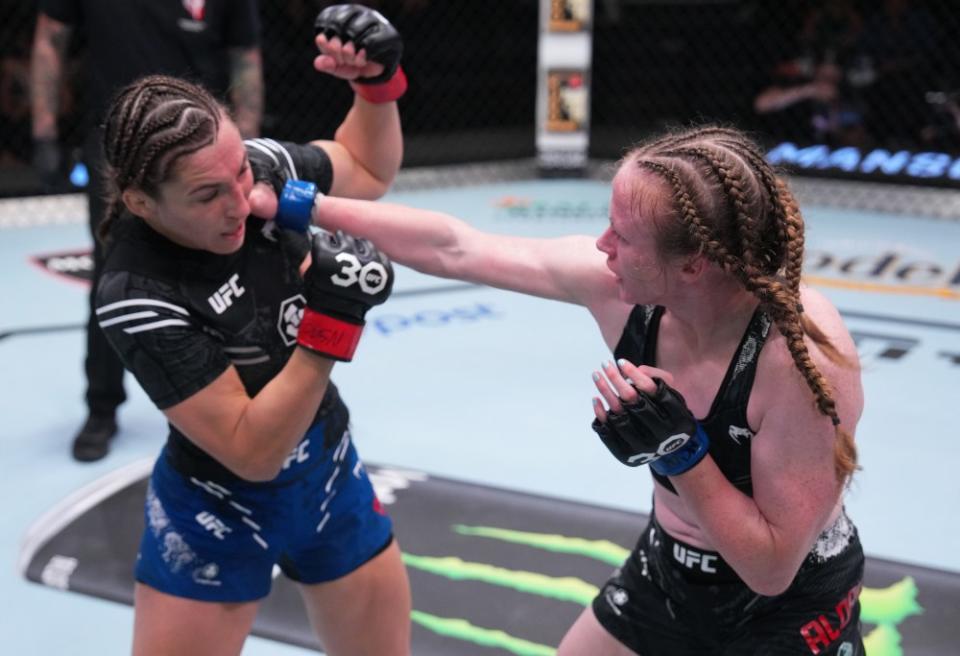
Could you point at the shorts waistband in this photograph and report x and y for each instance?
(697, 565)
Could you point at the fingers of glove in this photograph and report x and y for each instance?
(326, 241)
(354, 23)
(670, 402)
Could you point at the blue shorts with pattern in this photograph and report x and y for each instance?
(219, 541)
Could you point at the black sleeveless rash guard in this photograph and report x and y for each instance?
(179, 317)
(726, 422)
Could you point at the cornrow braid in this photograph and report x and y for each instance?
(150, 124)
(734, 209)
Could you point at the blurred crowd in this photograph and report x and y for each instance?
(882, 73)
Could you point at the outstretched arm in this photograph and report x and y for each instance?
(568, 269)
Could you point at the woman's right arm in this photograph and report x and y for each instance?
(189, 375)
(252, 437)
(569, 269)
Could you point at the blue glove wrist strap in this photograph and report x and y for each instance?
(295, 205)
(686, 457)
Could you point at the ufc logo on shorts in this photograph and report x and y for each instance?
(298, 455)
(213, 524)
(372, 276)
(691, 559)
(223, 297)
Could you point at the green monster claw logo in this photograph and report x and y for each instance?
(884, 608)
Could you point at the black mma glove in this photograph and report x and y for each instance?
(46, 163)
(269, 163)
(658, 430)
(368, 30)
(265, 165)
(347, 277)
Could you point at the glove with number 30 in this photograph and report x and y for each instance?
(346, 278)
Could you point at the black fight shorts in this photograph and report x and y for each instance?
(669, 598)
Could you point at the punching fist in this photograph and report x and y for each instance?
(266, 163)
(366, 37)
(292, 201)
(346, 278)
(651, 428)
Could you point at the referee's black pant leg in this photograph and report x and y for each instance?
(102, 366)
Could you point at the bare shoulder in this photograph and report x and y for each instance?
(835, 359)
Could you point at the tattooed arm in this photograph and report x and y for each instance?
(246, 89)
(46, 74)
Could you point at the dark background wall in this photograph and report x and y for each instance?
(472, 69)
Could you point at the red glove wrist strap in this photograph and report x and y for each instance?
(327, 336)
(385, 92)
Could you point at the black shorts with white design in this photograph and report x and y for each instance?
(671, 598)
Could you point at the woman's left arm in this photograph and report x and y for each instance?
(367, 148)
(766, 537)
(366, 151)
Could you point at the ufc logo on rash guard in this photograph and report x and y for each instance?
(222, 299)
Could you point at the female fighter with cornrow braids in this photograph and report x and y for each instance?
(737, 385)
(233, 334)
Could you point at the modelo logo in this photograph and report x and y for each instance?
(887, 267)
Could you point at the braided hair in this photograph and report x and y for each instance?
(150, 124)
(729, 205)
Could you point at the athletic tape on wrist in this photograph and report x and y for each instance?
(385, 92)
(295, 205)
(327, 336)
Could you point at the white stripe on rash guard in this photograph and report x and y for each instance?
(123, 318)
(156, 324)
(141, 301)
(286, 156)
(272, 149)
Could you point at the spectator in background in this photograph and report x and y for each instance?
(215, 42)
(893, 64)
(810, 97)
(14, 82)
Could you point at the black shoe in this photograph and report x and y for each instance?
(93, 441)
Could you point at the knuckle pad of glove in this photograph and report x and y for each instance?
(324, 242)
(673, 407)
(265, 170)
(369, 31)
(620, 447)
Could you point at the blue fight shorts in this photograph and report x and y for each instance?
(219, 541)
